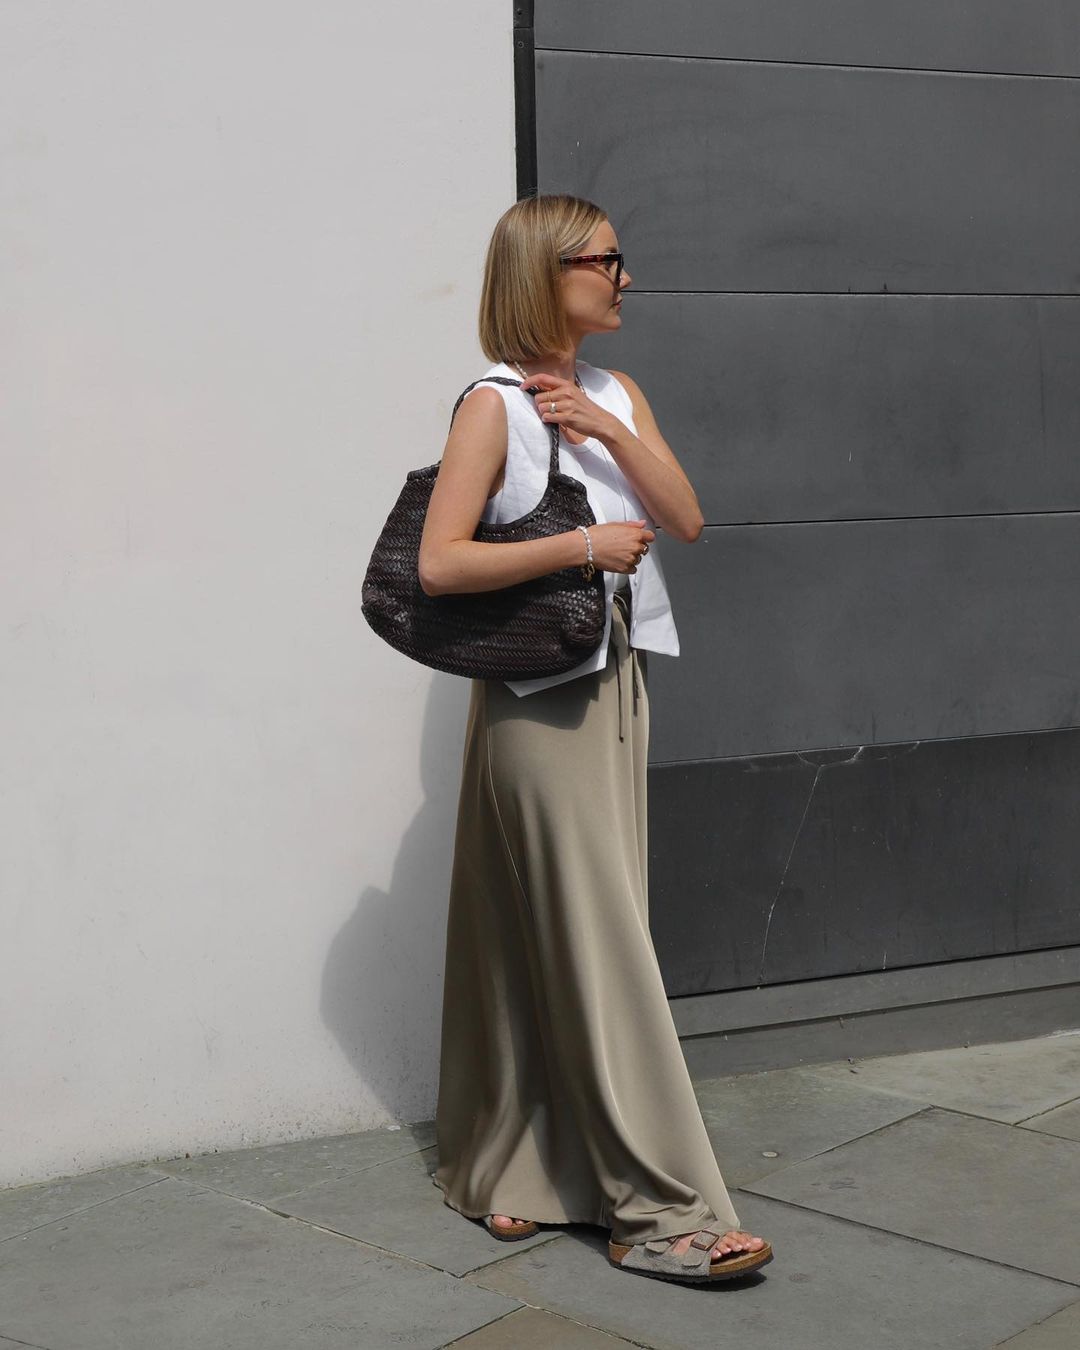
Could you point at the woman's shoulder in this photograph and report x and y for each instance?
(485, 382)
(500, 370)
(614, 383)
(602, 375)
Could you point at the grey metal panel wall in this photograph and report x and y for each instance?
(732, 176)
(1036, 37)
(808, 636)
(829, 864)
(814, 407)
(855, 309)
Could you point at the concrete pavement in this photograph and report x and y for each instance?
(914, 1202)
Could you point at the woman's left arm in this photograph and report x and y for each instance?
(650, 464)
(647, 459)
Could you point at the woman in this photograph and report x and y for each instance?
(563, 1092)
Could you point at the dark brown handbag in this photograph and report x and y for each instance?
(535, 628)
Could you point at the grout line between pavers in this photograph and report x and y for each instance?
(907, 1237)
(32, 1345)
(74, 1213)
(345, 1175)
(186, 1176)
(288, 1195)
(1003, 1345)
(508, 1256)
(255, 1204)
(829, 1079)
(383, 1251)
(548, 1312)
(483, 1327)
(899, 1092)
(993, 1120)
(878, 1129)
(888, 1125)
(363, 1242)
(1068, 1102)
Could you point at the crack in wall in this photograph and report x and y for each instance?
(783, 875)
(819, 769)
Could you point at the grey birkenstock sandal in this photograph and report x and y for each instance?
(656, 1258)
(509, 1232)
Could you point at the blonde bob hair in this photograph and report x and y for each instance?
(521, 313)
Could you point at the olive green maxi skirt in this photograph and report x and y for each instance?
(564, 1096)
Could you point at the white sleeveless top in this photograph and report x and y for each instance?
(612, 498)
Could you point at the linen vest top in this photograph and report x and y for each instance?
(610, 495)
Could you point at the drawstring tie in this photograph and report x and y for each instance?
(620, 599)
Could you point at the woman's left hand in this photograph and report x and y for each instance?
(574, 409)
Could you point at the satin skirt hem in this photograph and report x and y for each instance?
(593, 1220)
(554, 1216)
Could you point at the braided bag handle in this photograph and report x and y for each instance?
(536, 628)
(553, 430)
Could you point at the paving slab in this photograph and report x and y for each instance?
(1008, 1081)
(264, 1173)
(1059, 1332)
(793, 1113)
(179, 1267)
(534, 1329)
(831, 1283)
(23, 1208)
(397, 1206)
(1064, 1121)
(957, 1181)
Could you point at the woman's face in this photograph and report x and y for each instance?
(590, 300)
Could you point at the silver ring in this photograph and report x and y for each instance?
(645, 550)
(551, 406)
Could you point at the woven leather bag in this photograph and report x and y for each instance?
(540, 627)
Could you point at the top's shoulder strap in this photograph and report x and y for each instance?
(484, 379)
(553, 427)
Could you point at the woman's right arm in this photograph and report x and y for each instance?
(451, 559)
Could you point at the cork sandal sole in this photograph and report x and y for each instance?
(510, 1232)
(727, 1268)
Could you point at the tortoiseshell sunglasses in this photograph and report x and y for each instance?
(604, 258)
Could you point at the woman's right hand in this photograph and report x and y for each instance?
(619, 547)
(453, 561)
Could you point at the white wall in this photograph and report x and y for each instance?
(241, 249)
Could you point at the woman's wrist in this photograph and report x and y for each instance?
(588, 567)
(610, 430)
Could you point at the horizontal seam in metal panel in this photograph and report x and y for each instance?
(910, 743)
(860, 992)
(856, 1013)
(1029, 956)
(764, 1019)
(810, 65)
(882, 294)
(864, 1008)
(864, 520)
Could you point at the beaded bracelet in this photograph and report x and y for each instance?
(587, 567)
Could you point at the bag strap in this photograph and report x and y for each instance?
(553, 427)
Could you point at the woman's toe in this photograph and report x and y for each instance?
(736, 1240)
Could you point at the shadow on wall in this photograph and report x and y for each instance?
(382, 983)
